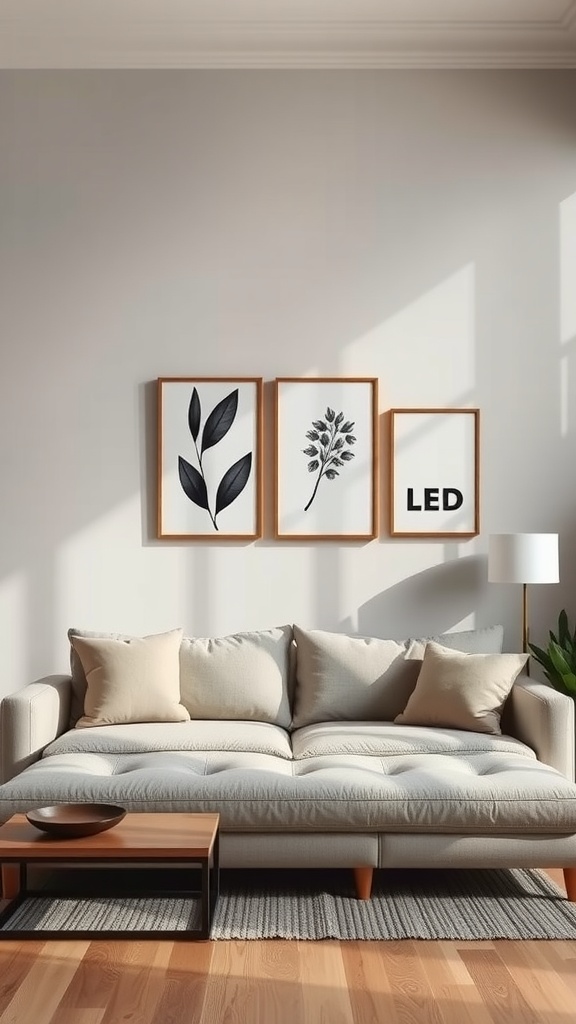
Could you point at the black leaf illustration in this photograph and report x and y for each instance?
(324, 440)
(194, 414)
(347, 456)
(233, 482)
(310, 450)
(331, 474)
(193, 483)
(339, 419)
(347, 427)
(330, 414)
(219, 421)
(312, 435)
(313, 465)
(319, 425)
(350, 439)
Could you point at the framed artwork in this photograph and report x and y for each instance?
(434, 472)
(326, 458)
(209, 458)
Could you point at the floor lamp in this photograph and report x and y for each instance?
(523, 558)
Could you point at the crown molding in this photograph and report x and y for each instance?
(189, 43)
(292, 61)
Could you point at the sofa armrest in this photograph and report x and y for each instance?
(543, 718)
(30, 719)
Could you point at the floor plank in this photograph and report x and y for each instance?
(45, 982)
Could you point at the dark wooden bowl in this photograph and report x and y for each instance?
(68, 821)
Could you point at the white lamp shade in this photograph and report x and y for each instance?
(523, 558)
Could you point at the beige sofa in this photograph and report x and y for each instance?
(301, 740)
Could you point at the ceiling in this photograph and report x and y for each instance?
(288, 33)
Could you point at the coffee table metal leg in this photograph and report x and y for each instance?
(215, 872)
(210, 888)
(205, 901)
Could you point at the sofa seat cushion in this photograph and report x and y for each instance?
(203, 735)
(495, 792)
(385, 739)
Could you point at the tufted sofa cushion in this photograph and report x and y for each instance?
(443, 781)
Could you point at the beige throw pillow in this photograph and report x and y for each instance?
(461, 691)
(133, 680)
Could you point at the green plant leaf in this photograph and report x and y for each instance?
(558, 659)
(542, 656)
(570, 683)
(563, 631)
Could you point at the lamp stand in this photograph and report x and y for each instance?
(525, 625)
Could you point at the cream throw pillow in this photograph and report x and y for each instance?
(461, 691)
(134, 680)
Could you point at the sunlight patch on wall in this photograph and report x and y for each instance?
(568, 269)
(425, 355)
(14, 634)
(107, 579)
(567, 302)
(564, 395)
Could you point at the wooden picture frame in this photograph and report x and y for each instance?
(326, 466)
(434, 473)
(210, 458)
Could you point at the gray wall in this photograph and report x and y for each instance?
(415, 226)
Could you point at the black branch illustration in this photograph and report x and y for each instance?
(330, 442)
(193, 480)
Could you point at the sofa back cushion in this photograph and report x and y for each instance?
(357, 678)
(350, 678)
(484, 640)
(244, 676)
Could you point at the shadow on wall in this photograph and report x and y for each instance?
(432, 601)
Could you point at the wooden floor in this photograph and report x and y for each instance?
(273, 982)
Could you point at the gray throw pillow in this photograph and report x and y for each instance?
(244, 676)
(350, 678)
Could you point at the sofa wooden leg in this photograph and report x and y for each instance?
(570, 883)
(363, 882)
(10, 881)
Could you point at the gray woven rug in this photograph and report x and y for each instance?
(459, 904)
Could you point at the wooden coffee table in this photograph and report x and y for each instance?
(159, 840)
